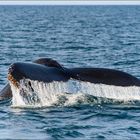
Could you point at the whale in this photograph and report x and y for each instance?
(48, 70)
(6, 92)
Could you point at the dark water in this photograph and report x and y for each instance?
(98, 36)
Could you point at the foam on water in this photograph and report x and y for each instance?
(68, 93)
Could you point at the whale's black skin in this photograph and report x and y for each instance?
(37, 72)
(105, 76)
(48, 62)
(94, 75)
(48, 70)
(6, 92)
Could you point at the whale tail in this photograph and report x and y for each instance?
(104, 76)
(94, 75)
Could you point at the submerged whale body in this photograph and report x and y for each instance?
(47, 70)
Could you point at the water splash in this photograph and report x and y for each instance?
(38, 94)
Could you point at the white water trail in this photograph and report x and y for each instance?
(46, 94)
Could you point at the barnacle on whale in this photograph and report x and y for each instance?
(13, 80)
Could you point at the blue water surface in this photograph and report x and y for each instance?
(76, 36)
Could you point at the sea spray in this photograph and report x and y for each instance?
(68, 93)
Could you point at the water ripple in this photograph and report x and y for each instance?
(76, 36)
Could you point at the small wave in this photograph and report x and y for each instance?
(39, 94)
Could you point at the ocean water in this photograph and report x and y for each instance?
(75, 36)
